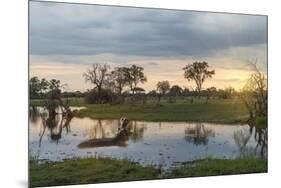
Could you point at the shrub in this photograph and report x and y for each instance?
(103, 97)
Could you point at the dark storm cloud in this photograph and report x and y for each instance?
(71, 29)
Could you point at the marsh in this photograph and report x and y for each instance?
(148, 143)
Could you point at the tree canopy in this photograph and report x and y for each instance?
(199, 72)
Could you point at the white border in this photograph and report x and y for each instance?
(14, 91)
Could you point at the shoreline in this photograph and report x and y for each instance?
(103, 170)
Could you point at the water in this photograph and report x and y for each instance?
(149, 143)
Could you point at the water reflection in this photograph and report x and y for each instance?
(55, 125)
(242, 137)
(137, 131)
(100, 137)
(120, 140)
(198, 134)
(33, 114)
(63, 137)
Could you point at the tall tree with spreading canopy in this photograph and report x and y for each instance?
(118, 78)
(162, 87)
(134, 76)
(44, 85)
(199, 72)
(38, 87)
(34, 87)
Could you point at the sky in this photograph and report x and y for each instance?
(65, 39)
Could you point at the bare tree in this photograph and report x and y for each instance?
(198, 71)
(97, 75)
(254, 93)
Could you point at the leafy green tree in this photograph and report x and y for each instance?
(34, 87)
(198, 72)
(54, 84)
(134, 75)
(162, 87)
(44, 85)
(176, 90)
(118, 78)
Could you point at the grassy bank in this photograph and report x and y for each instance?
(216, 111)
(92, 170)
(85, 171)
(212, 167)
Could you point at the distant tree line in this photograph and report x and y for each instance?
(110, 86)
(122, 84)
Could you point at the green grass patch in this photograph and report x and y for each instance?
(212, 167)
(215, 111)
(72, 101)
(92, 170)
(85, 171)
(261, 122)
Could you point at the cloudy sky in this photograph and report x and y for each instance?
(66, 38)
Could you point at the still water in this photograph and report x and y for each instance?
(149, 143)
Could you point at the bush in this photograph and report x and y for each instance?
(103, 97)
(261, 121)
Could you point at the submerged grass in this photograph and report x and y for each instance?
(92, 170)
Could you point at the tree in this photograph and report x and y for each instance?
(162, 87)
(97, 75)
(134, 75)
(229, 91)
(211, 91)
(34, 87)
(44, 85)
(38, 87)
(186, 91)
(254, 93)
(118, 78)
(198, 71)
(52, 98)
(55, 84)
(152, 94)
(138, 90)
(176, 90)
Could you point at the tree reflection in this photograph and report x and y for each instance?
(242, 138)
(120, 140)
(261, 136)
(99, 137)
(97, 130)
(33, 114)
(137, 131)
(55, 125)
(198, 134)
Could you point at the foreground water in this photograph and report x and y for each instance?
(149, 143)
